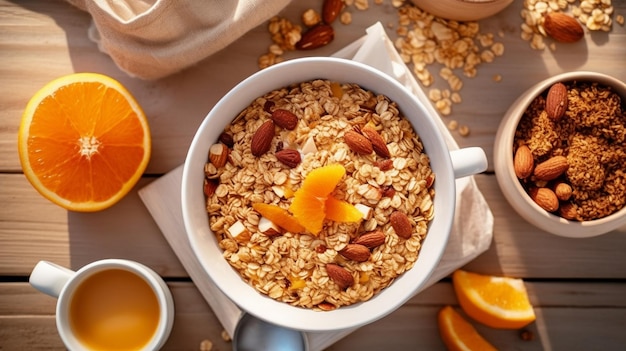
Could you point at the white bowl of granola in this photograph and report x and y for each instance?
(560, 154)
(331, 276)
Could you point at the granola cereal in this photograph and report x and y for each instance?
(592, 136)
(291, 267)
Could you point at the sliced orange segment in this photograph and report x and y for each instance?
(498, 302)
(83, 141)
(309, 210)
(458, 334)
(341, 211)
(322, 181)
(279, 216)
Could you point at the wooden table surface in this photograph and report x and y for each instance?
(578, 286)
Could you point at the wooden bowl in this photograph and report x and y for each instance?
(463, 10)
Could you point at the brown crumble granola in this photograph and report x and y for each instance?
(592, 136)
(291, 267)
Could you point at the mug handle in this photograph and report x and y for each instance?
(468, 161)
(50, 278)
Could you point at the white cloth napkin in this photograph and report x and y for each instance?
(471, 233)
(151, 39)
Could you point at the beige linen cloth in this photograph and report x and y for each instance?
(151, 39)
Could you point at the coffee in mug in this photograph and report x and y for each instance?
(108, 305)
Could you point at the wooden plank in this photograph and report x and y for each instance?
(34, 229)
(128, 231)
(413, 328)
(45, 39)
(571, 316)
(521, 249)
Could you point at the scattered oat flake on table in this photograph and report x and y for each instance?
(464, 130)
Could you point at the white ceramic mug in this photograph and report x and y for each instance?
(108, 304)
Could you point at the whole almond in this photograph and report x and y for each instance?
(568, 211)
(262, 138)
(401, 224)
(556, 101)
(430, 180)
(371, 239)
(356, 252)
(358, 143)
(218, 154)
(387, 191)
(562, 27)
(563, 191)
(289, 157)
(316, 37)
(326, 306)
(378, 143)
(227, 139)
(545, 198)
(339, 275)
(384, 165)
(331, 9)
(285, 119)
(209, 187)
(552, 168)
(268, 106)
(523, 162)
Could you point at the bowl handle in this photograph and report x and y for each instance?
(468, 161)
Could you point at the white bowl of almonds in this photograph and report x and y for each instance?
(315, 203)
(560, 154)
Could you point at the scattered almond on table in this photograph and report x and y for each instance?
(457, 48)
(564, 19)
(423, 40)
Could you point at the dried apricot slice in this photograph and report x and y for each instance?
(279, 216)
(309, 210)
(312, 203)
(341, 211)
(322, 181)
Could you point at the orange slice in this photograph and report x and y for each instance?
(341, 211)
(498, 302)
(83, 141)
(279, 216)
(458, 334)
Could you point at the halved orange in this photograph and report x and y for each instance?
(498, 302)
(83, 141)
(458, 334)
